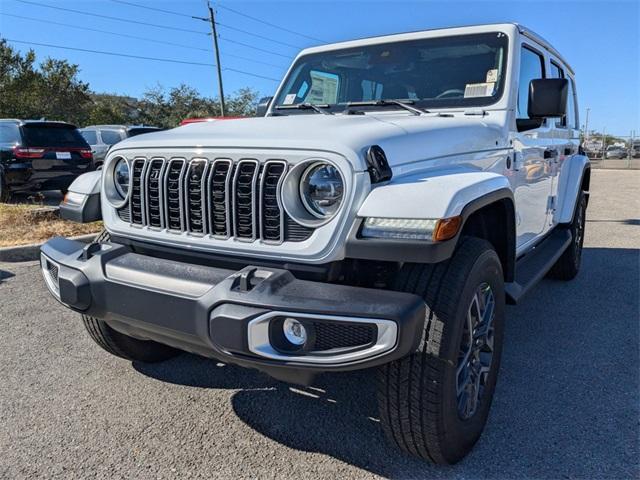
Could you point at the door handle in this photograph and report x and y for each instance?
(550, 153)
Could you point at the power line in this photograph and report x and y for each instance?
(269, 23)
(257, 35)
(49, 22)
(254, 48)
(116, 54)
(119, 19)
(152, 8)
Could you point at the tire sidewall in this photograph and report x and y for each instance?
(461, 435)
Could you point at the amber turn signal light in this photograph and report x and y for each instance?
(447, 228)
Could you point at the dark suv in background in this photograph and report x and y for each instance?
(38, 155)
(101, 137)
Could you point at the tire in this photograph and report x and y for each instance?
(5, 194)
(419, 404)
(122, 345)
(568, 265)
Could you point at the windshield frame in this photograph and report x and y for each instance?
(457, 104)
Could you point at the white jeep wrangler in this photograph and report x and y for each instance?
(397, 192)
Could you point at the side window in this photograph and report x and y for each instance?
(90, 136)
(531, 68)
(557, 72)
(9, 134)
(572, 117)
(109, 137)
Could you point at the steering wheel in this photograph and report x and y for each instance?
(449, 92)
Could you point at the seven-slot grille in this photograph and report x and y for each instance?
(220, 198)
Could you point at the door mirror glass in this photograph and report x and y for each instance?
(263, 106)
(548, 97)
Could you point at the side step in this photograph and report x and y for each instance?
(533, 266)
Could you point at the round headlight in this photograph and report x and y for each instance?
(121, 177)
(321, 189)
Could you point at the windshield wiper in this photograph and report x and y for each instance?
(385, 103)
(306, 106)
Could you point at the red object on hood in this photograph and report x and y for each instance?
(187, 121)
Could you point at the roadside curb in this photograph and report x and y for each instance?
(26, 253)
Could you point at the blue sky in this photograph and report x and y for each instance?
(600, 39)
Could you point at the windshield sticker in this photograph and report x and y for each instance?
(473, 90)
(492, 75)
(324, 88)
(289, 99)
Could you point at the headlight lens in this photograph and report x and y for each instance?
(321, 189)
(121, 177)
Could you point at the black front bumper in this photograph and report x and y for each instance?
(209, 311)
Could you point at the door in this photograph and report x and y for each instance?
(535, 150)
(567, 135)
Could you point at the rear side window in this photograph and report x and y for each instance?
(90, 136)
(572, 117)
(557, 72)
(52, 136)
(531, 68)
(139, 131)
(9, 134)
(110, 136)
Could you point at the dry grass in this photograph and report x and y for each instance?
(24, 224)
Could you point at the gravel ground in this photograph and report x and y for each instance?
(566, 404)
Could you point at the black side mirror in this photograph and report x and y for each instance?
(548, 97)
(263, 106)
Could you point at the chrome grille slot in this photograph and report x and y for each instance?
(218, 185)
(244, 200)
(173, 194)
(194, 187)
(153, 189)
(271, 213)
(137, 194)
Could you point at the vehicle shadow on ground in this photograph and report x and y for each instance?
(565, 407)
(4, 275)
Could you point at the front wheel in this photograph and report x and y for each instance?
(434, 402)
(5, 194)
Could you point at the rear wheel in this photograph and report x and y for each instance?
(568, 265)
(122, 345)
(5, 194)
(434, 402)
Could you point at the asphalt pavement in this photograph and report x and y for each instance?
(566, 406)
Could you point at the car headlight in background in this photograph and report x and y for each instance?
(321, 189)
(121, 177)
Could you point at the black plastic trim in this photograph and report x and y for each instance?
(88, 211)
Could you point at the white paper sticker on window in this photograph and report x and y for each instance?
(479, 89)
(492, 75)
(324, 88)
(289, 99)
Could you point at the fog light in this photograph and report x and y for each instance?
(294, 331)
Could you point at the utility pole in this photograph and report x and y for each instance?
(586, 126)
(214, 34)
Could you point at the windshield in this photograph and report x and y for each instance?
(52, 135)
(445, 72)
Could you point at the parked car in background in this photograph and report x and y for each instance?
(616, 151)
(40, 155)
(101, 137)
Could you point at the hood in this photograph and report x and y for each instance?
(405, 138)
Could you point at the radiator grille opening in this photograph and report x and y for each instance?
(136, 191)
(173, 190)
(221, 198)
(154, 187)
(244, 199)
(194, 190)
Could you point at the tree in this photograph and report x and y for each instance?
(52, 91)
